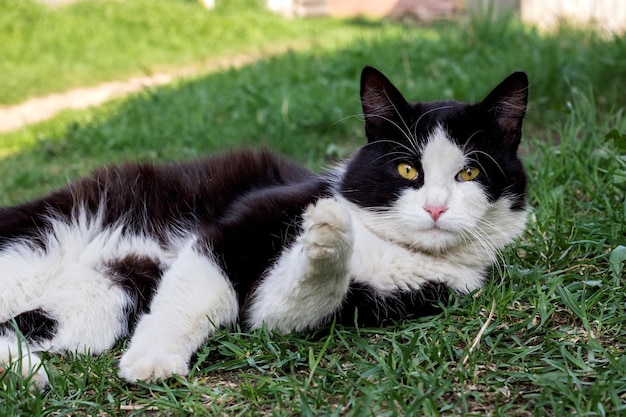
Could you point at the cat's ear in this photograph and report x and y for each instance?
(384, 107)
(507, 105)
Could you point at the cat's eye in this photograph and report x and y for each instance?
(468, 174)
(407, 171)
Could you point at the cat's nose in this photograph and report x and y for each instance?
(435, 211)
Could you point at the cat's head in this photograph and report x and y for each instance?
(440, 175)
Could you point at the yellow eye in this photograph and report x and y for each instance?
(468, 174)
(407, 171)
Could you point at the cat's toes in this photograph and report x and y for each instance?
(150, 366)
(328, 211)
(39, 379)
(327, 230)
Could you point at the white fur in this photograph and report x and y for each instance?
(68, 281)
(16, 355)
(387, 266)
(310, 280)
(194, 299)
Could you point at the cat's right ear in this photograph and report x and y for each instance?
(384, 107)
(507, 104)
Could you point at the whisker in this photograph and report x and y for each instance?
(408, 130)
(394, 124)
(350, 116)
(479, 152)
(427, 113)
(409, 152)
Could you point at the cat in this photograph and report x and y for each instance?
(166, 254)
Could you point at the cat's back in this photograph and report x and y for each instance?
(151, 197)
(196, 188)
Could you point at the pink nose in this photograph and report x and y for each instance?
(435, 211)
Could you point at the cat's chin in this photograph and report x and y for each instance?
(436, 240)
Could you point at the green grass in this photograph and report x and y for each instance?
(46, 50)
(555, 342)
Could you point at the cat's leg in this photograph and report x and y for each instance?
(79, 321)
(85, 317)
(310, 280)
(22, 281)
(15, 355)
(60, 299)
(193, 299)
(16, 350)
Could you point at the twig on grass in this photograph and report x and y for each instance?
(138, 407)
(480, 333)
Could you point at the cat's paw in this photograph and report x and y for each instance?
(327, 230)
(151, 365)
(29, 367)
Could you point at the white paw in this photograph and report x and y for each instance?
(151, 365)
(29, 367)
(327, 230)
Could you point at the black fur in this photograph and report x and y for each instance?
(260, 225)
(140, 277)
(365, 306)
(35, 325)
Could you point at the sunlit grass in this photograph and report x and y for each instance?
(47, 50)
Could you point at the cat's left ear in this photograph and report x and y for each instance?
(507, 105)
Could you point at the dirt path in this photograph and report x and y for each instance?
(38, 109)
(41, 108)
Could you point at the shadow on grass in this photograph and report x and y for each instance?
(306, 104)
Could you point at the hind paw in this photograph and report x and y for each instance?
(29, 367)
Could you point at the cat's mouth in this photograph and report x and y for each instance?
(439, 234)
(438, 228)
(437, 238)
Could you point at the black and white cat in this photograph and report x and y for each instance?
(165, 254)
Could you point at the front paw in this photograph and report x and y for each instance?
(151, 365)
(327, 230)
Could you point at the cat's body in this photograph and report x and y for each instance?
(166, 254)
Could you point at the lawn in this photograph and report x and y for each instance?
(545, 336)
(46, 50)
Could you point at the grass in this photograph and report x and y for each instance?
(46, 50)
(552, 316)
